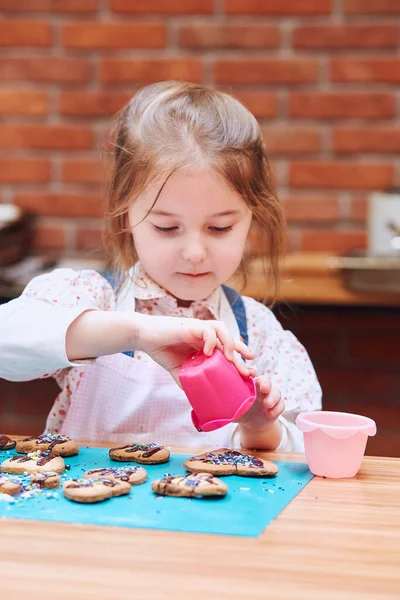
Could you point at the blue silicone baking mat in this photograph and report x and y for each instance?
(250, 505)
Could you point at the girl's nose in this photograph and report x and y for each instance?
(194, 250)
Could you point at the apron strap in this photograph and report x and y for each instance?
(237, 305)
(113, 281)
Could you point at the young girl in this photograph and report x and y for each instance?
(189, 178)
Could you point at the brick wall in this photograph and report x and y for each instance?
(355, 352)
(320, 75)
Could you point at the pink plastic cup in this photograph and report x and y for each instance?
(335, 442)
(216, 390)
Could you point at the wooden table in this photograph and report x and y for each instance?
(337, 540)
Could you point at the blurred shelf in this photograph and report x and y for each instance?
(315, 278)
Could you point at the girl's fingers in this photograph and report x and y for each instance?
(210, 341)
(226, 340)
(264, 384)
(274, 404)
(241, 365)
(244, 350)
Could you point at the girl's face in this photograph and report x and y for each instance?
(194, 238)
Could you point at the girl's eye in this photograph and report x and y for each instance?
(221, 229)
(165, 229)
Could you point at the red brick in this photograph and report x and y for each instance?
(23, 102)
(24, 170)
(341, 175)
(164, 7)
(358, 210)
(57, 6)
(254, 247)
(49, 237)
(92, 104)
(365, 70)
(341, 105)
(44, 69)
(372, 7)
(357, 139)
(83, 171)
(25, 33)
(266, 70)
(102, 36)
(306, 208)
(61, 205)
(89, 239)
(345, 36)
(329, 240)
(291, 140)
(229, 36)
(261, 103)
(146, 70)
(41, 137)
(278, 7)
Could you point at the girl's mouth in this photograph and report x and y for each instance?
(194, 275)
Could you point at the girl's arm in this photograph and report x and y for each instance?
(33, 327)
(287, 385)
(168, 340)
(67, 318)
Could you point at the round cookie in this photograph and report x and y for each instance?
(6, 443)
(225, 462)
(89, 491)
(146, 454)
(134, 475)
(34, 462)
(189, 486)
(10, 486)
(61, 444)
(49, 480)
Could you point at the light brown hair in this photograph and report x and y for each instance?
(170, 126)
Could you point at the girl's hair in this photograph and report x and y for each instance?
(171, 126)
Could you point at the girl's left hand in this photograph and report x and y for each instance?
(268, 406)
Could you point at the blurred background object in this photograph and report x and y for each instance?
(322, 78)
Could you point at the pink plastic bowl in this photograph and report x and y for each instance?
(335, 442)
(216, 390)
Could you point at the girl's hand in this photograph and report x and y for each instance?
(171, 340)
(259, 426)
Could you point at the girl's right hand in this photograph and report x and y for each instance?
(171, 340)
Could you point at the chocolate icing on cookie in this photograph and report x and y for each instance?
(231, 457)
(5, 441)
(147, 449)
(49, 438)
(41, 458)
(122, 473)
(86, 483)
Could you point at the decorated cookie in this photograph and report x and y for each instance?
(61, 444)
(34, 462)
(231, 462)
(89, 491)
(134, 475)
(147, 454)
(48, 480)
(194, 484)
(9, 486)
(6, 443)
